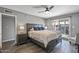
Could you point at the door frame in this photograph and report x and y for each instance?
(63, 19)
(15, 26)
(0, 31)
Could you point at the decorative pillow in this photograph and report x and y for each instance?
(42, 28)
(32, 29)
(38, 28)
(35, 28)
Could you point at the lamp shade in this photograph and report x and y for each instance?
(21, 27)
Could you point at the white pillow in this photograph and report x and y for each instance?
(32, 29)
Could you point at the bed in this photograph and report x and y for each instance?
(44, 38)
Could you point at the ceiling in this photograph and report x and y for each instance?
(56, 11)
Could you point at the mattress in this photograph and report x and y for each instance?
(44, 36)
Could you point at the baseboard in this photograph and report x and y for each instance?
(8, 40)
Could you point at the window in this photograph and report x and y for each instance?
(61, 25)
(55, 25)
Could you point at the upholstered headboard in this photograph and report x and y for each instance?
(35, 26)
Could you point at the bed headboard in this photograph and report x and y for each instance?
(35, 26)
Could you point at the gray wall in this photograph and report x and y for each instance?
(74, 18)
(8, 28)
(75, 23)
(48, 23)
(0, 33)
(23, 18)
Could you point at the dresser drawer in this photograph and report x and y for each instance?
(21, 38)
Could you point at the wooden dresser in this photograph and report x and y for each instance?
(21, 39)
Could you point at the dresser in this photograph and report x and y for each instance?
(22, 38)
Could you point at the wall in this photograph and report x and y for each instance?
(74, 20)
(48, 23)
(75, 23)
(8, 26)
(23, 18)
(0, 33)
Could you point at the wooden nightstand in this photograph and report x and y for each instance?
(21, 39)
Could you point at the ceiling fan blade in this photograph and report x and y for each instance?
(51, 7)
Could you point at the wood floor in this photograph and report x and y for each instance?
(64, 47)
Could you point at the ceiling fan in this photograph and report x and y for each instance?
(47, 8)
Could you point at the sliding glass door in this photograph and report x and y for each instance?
(62, 25)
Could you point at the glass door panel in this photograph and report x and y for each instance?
(64, 26)
(61, 25)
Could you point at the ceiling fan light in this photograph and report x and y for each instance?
(47, 12)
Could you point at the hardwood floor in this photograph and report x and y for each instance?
(6, 45)
(64, 47)
(29, 48)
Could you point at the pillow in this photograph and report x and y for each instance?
(32, 29)
(42, 28)
(35, 28)
(38, 28)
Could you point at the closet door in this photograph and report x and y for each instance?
(0, 31)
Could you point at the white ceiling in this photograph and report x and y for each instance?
(56, 11)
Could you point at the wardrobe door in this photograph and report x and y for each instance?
(0, 31)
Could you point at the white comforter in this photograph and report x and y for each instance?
(44, 36)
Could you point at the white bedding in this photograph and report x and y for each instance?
(44, 36)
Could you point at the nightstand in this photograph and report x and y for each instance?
(21, 39)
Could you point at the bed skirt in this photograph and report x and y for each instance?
(50, 45)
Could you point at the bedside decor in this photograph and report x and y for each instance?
(21, 35)
(21, 29)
